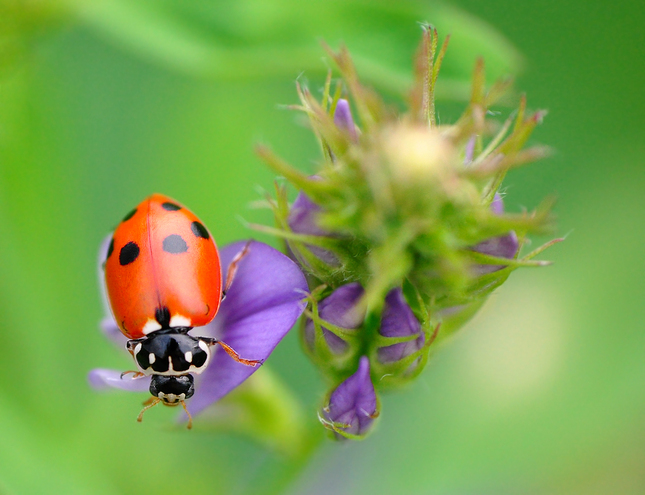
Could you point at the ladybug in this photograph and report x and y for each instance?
(163, 277)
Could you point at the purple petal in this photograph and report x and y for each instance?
(343, 118)
(398, 320)
(497, 206)
(112, 331)
(340, 308)
(504, 246)
(102, 255)
(108, 324)
(101, 378)
(470, 150)
(303, 219)
(261, 306)
(353, 403)
(303, 216)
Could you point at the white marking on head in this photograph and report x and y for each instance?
(151, 357)
(150, 326)
(188, 356)
(179, 321)
(172, 399)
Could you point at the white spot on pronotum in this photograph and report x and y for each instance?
(204, 347)
(137, 348)
(179, 321)
(151, 357)
(150, 326)
(188, 356)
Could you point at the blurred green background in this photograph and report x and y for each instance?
(105, 102)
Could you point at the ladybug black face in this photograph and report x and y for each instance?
(170, 352)
(172, 389)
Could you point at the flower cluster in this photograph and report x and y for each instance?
(401, 231)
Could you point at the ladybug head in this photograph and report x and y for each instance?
(172, 390)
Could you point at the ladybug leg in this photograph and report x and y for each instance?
(135, 374)
(151, 402)
(231, 352)
(190, 418)
(232, 268)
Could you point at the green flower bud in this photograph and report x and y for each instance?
(409, 212)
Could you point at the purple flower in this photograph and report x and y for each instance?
(504, 246)
(340, 309)
(497, 206)
(343, 119)
(303, 219)
(352, 406)
(304, 214)
(470, 150)
(398, 320)
(262, 304)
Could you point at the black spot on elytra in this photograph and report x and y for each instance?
(110, 249)
(170, 206)
(199, 230)
(128, 253)
(162, 315)
(174, 244)
(129, 215)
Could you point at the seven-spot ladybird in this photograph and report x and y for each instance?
(163, 277)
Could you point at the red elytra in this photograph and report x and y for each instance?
(162, 269)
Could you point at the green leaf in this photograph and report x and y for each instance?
(268, 38)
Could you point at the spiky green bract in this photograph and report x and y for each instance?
(401, 201)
